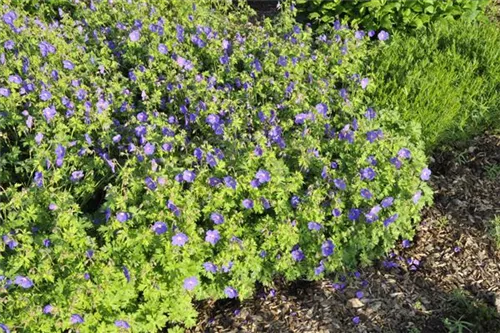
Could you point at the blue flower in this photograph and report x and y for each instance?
(15, 79)
(383, 35)
(364, 82)
(10, 17)
(38, 178)
(295, 201)
(198, 153)
(425, 174)
(387, 202)
(46, 48)
(76, 176)
(230, 292)
(365, 193)
(416, 197)
(370, 113)
(359, 34)
(340, 184)
(322, 109)
(180, 33)
(188, 176)
(47, 309)
(248, 203)
(354, 214)
(149, 149)
(150, 183)
(68, 65)
(49, 113)
(5, 328)
(122, 216)
(159, 227)
(173, 208)
(404, 153)
(265, 203)
(210, 267)
(162, 48)
(217, 218)
(367, 173)
(396, 162)
(336, 212)
(263, 176)
(122, 324)
(179, 239)
(212, 237)
(5, 92)
(298, 255)
(126, 273)
(76, 319)
(230, 182)
(190, 283)
(390, 220)
(135, 35)
(314, 226)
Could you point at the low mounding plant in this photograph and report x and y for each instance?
(156, 153)
(383, 14)
(447, 79)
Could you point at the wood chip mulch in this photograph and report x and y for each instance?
(450, 270)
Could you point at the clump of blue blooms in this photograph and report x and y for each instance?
(153, 153)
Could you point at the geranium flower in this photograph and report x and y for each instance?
(190, 283)
(212, 237)
(383, 35)
(47, 309)
(248, 203)
(230, 182)
(314, 226)
(135, 35)
(122, 324)
(217, 218)
(210, 267)
(425, 175)
(76, 319)
(230, 292)
(23, 282)
(298, 255)
(179, 239)
(159, 227)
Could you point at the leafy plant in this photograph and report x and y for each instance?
(447, 79)
(495, 230)
(383, 14)
(158, 152)
(457, 325)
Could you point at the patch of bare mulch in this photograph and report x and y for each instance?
(450, 270)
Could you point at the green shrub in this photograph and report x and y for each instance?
(155, 155)
(446, 78)
(383, 14)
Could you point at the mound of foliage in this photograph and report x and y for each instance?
(447, 79)
(383, 14)
(156, 153)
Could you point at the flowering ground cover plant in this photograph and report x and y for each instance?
(156, 153)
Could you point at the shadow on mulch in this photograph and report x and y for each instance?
(456, 275)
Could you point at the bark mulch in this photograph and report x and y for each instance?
(450, 270)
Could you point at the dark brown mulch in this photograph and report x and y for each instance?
(458, 276)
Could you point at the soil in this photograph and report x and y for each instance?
(457, 278)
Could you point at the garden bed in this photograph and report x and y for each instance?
(457, 277)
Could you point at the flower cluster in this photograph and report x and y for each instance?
(148, 160)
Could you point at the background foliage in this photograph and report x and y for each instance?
(387, 14)
(447, 79)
